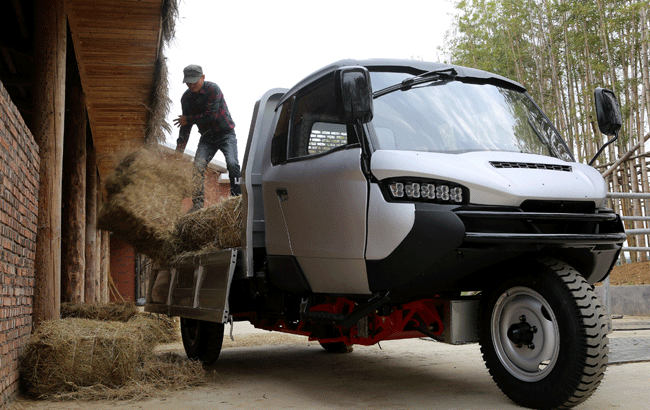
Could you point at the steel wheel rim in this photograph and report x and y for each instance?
(526, 363)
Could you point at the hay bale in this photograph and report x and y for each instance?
(65, 354)
(169, 370)
(81, 358)
(120, 312)
(164, 329)
(144, 196)
(215, 227)
(162, 373)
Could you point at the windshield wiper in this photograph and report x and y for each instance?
(435, 75)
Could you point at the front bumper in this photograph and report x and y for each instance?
(449, 244)
(559, 229)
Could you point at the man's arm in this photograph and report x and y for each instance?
(183, 136)
(184, 129)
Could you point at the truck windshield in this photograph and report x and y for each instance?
(456, 117)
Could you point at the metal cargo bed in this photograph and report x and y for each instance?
(196, 287)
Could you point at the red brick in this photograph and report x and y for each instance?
(122, 264)
(19, 162)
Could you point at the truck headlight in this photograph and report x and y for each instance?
(433, 191)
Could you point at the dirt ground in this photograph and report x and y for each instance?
(631, 274)
(260, 369)
(274, 370)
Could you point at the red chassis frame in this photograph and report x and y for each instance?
(402, 323)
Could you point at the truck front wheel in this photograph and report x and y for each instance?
(543, 336)
(202, 340)
(336, 347)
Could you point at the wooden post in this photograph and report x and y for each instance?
(106, 266)
(74, 190)
(98, 252)
(50, 28)
(90, 295)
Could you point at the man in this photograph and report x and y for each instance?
(203, 104)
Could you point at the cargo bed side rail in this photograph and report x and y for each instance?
(196, 287)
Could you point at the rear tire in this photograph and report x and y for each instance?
(202, 340)
(337, 347)
(543, 336)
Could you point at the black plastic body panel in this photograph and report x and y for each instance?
(285, 273)
(436, 232)
(460, 248)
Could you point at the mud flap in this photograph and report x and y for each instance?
(195, 288)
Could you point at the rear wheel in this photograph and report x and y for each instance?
(336, 347)
(543, 337)
(202, 340)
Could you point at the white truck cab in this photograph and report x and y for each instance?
(450, 160)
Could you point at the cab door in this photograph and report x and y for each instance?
(321, 195)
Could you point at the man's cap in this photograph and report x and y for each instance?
(192, 73)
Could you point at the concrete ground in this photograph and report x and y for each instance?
(276, 371)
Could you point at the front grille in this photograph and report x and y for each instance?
(542, 222)
(534, 205)
(531, 165)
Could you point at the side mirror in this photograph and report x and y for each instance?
(354, 94)
(607, 111)
(609, 117)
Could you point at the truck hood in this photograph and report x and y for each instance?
(497, 178)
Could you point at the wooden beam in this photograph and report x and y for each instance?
(20, 19)
(625, 156)
(49, 105)
(8, 60)
(92, 183)
(105, 266)
(98, 252)
(12, 69)
(74, 190)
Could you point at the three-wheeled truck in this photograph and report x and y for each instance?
(390, 199)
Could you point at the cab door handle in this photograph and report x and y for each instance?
(282, 193)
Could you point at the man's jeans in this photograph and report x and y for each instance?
(208, 146)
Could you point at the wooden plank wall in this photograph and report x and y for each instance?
(117, 47)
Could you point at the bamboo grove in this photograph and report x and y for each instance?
(561, 50)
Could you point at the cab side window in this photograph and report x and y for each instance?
(315, 125)
(324, 136)
(279, 142)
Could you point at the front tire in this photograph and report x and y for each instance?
(202, 340)
(336, 347)
(543, 336)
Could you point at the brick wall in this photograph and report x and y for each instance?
(123, 269)
(19, 165)
(213, 191)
